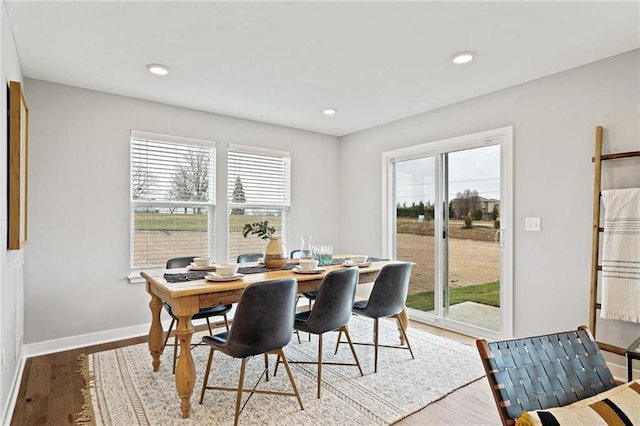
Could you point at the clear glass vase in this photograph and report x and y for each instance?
(305, 248)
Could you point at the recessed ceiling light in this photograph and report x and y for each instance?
(463, 57)
(158, 69)
(329, 111)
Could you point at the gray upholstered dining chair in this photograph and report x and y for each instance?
(262, 324)
(204, 313)
(249, 257)
(331, 312)
(387, 299)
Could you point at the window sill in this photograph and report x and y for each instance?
(134, 275)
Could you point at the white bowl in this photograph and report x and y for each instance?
(308, 264)
(227, 270)
(202, 261)
(358, 258)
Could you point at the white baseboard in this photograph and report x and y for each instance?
(7, 410)
(90, 339)
(619, 372)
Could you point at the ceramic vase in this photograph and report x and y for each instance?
(275, 254)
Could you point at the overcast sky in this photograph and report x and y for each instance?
(476, 169)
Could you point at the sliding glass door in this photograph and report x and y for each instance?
(449, 207)
(414, 186)
(471, 254)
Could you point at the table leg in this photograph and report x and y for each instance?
(404, 319)
(185, 370)
(155, 332)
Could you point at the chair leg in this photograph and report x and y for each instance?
(375, 343)
(175, 343)
(243, 366)
(280, 353)
(209, 325)
(319, 362)
(298, 334)
(310, 333)
(205, 382)
(175, 352)
(275, 370)
(166, 339)
(226, 322)
(338, 342)
(266, 365)
(406, 338)
(353, 350)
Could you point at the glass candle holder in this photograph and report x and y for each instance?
(323, 254)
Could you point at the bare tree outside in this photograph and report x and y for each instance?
(467, 201)
(141, 182)
(191, 179)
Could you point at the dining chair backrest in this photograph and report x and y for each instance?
(249, 257)
(334, 302)
(179, 262)
(295, 254)
(264, 318)
(389, 292)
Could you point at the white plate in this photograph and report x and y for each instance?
(194, 267)
(299, 270)
(359, 265)
(218, 278)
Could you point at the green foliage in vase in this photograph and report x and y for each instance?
(262, 229)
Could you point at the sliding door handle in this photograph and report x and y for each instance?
(499, 238)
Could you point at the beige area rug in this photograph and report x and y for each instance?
(124, 390)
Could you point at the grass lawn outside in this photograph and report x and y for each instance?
(486, 294)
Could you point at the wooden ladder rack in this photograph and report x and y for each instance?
(597, 229)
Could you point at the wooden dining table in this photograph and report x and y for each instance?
(188, 297)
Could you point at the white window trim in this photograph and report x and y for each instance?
(437, 148)
(134, 276)
(285, 207)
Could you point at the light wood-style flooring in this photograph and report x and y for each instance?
(50, 391)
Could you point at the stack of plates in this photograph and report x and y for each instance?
(359, 265)
(299, 270)
(194, 267)
(219, 278)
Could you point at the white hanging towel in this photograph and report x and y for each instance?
(621, 255)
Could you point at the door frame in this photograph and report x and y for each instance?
(503, 136)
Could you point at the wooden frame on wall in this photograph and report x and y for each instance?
(18, 166)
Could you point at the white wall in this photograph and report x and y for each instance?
(77, 256)
(554, 121)
(11, 310)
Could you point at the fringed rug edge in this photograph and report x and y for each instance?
(86, 417)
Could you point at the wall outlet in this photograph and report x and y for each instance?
(532, 224)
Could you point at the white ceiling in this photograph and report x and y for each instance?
(283, 62)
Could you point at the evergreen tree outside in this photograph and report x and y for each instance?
(238, 196)
(495, 213)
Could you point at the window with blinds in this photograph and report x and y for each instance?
(172, 198)
(258, 189)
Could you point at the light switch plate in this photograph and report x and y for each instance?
(532, 224)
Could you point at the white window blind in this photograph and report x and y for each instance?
(258, 189)
(172, 198)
